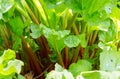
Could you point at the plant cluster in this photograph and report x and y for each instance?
(80, 35)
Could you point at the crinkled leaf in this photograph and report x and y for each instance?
(57, 34)
(14, 66)
(59, 73)
(72, 41)
(17, 26)
(109, 60)
(80, 66)
(8, 64)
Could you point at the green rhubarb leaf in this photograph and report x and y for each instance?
(94, 12)
(17, 26)
(104, 35)
(55, 38)
(56, 41)
(98, 13)
(72, 41)
(90, 6)
(80, 66)
(36, 31)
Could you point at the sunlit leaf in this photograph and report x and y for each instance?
(116, 17)
(9, 65)
(109, 60)
(14, 66)
(115, 13)
(58, 68)
(59, 73)
(5, 5)
(8, 55)
(72, 41)
(80, 66)
(36, 31)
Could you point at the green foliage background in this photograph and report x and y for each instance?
(80, 35)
